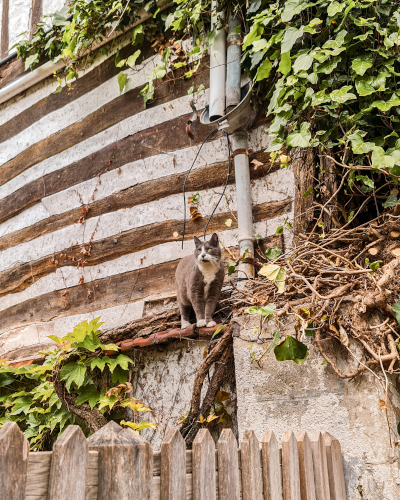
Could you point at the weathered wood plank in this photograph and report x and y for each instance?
(203, 453)
(68, 466)
(124, 106)
(4, 29)
(36, 16)
(307, 484)
(206, 177)
(14, 450)
(252, 479)
(173, 466)
(320, 466)
(125, 463)
(290, 467)
(228, 467)
(272, 473)
(337, 487)
(146, 143)
(37, 481)
(92, 476)
(22, 276)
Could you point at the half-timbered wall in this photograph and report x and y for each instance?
(91, 205)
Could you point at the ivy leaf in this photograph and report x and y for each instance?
(73, 373)
(363, 87)
(303, 63)
(273, 253)
(285, 63)
(366, 180)
(122, 80)
(120, 360)
(391, 201)
(231, 267)
(89, 394)
(319, 98)
(341, 95)
(385, 106)
(91, 342)
(291, 9)
(261, 311)
(108, 401)
(289, 39)
(22, 405)
(291, 349)
(6, 379)
(334, 8)
(264, 70)
(119, 376)
(380, 160)
(131, 61)
(358, 145)
(361, 63)
(137, 427)
(396, 310)
(31, 61)
(99, 363)
(328, 66)
(274, 273)
(300, 139)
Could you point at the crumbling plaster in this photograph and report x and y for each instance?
(283, 395)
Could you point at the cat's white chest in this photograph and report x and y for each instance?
(208, 271)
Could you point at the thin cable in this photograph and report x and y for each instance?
(226, 183)
(186, 178)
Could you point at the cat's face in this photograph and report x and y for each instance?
(207, 251)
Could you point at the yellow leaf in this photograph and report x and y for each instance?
(274, 273)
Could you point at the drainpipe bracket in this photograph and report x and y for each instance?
(236, 119)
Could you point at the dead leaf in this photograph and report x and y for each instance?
(82, 280)
(257, 164)
(228, 222)
(274, 273)
(382, 404)
(194, 213)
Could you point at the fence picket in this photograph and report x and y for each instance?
(271, 467)
(252, 484)
(173, 466)
(290, 467)
(320, 467)
(125, 463)
(337, 485)
(228, 467)
(14, 451)
(203, 469)
(68, 466)
(307, 484)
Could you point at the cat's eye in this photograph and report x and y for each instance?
(198, 250)
(209, 250)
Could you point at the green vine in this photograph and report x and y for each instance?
(77, 383)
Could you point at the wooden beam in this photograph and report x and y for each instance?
(135, 240)
(37, 13)
(113, 112)
(207, 177)
(4, 29)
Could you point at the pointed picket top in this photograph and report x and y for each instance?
(173, 466)
(320, 467)
(106, 436)
(252, 481)
(307, 484)
(125, 463)
(68, 466)
(337, 485)
(14, 452)
(272, 475)
(290, 467)
(203, 468)
(228, 466)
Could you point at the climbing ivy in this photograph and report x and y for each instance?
(29, 397)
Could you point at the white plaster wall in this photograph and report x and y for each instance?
(19, 20)
(284, 396)
(1, 15)
(163, 380)
(52, 6)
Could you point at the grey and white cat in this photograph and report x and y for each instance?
(199, 279)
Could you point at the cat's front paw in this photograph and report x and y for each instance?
(201, 323)
(211, 323)
(184, 324)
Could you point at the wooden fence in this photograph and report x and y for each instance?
(117, 464)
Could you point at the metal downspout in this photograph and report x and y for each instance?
(217, 66)
(240, 153)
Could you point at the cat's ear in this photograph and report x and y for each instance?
(197, 242)
(214, 240)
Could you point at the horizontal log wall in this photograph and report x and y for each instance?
(91, 205)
